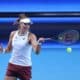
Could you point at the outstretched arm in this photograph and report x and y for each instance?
(34, 43)
(9, 46)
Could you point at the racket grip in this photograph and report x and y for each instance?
(39, 43)
(47, 39)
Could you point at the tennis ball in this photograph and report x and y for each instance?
(69, 50)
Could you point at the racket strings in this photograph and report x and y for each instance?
(69, 37)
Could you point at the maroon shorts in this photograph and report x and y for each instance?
(21, 72)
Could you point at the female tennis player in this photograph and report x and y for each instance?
(21, 43)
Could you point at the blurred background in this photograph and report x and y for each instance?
(49, 17)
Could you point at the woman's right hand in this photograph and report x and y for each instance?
(1, 48)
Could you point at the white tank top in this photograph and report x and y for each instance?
(21, 50)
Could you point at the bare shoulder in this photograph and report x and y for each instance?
(32, 35)
(12, 34)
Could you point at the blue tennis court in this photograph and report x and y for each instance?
(53, 63)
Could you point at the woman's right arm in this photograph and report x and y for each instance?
(9, 46)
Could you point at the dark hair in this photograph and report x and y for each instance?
(22, 15)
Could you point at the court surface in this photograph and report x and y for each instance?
(53, 63)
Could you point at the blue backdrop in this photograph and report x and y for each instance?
(39, 5)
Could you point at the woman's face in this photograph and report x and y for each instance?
(24, 27)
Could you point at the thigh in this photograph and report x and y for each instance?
(11, 73)
(25, 73)
(10, 78)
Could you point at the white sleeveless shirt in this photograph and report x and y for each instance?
(21, 50)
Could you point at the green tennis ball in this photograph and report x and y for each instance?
(69, 50)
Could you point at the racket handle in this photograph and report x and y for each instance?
(47, 39)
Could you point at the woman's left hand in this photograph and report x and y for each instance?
(41, 40)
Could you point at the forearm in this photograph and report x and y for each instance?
(38, 48)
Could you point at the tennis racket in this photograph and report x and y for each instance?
(67, 37)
